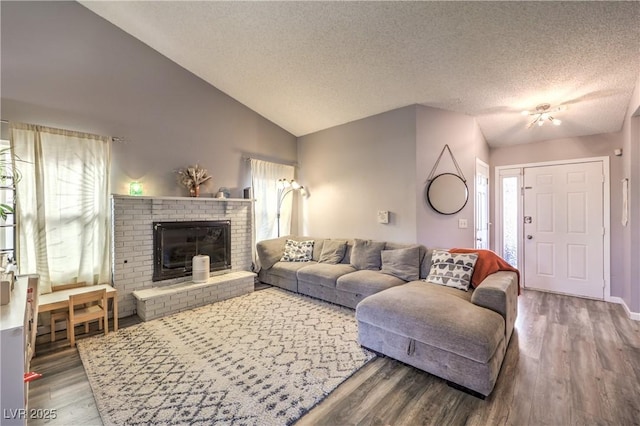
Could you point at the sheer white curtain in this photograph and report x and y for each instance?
(62, 205)
(264, 182)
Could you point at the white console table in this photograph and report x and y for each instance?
(17, 345)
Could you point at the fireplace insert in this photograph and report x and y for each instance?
(175, 244)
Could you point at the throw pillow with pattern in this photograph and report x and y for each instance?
(297, 251)
(452, 270)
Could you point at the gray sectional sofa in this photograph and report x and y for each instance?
(461, 336)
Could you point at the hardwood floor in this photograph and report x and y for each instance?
(571, 361)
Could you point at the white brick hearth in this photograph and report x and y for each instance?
(133, 219)
(157, 302)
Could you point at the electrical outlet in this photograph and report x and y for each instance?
(462, 223)
(383, 216)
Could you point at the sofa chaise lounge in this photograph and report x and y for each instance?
(460, 336)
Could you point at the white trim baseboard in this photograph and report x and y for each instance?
(635, 316)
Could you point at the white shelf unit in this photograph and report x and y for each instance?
(17, 345)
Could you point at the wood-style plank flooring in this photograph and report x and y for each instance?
(571, 361)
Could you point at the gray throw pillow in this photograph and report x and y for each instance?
(402, 263)
(452, 270)
(333, 251)
(365, 254)
(297, 251)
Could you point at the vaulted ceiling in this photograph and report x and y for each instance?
(308, 65)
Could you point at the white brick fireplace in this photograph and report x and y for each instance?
(133, 219)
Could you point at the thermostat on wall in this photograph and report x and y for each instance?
(383, 216)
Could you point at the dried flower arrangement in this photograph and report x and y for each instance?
(192, 177)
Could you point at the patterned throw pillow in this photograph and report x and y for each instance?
(297, 251)
(452, 270)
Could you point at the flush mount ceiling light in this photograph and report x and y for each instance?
(542, 114)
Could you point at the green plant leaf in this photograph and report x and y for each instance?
(7, 169)
(5, 209)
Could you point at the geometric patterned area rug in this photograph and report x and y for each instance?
(265, 358)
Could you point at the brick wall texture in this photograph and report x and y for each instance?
(132, 247)
(194, 295)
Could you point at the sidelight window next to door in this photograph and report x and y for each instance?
(510, 197)
(509, 244)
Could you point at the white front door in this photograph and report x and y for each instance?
(564, 229)
(482, 205)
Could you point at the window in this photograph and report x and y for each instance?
(509, 211)
(510, 219)
(264, 181)
(7, 200)
(62, 205)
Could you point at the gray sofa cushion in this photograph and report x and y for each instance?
(266, 276)
(333, 251)
(499, 292)
(288, 270)
(402, 263)
(425, 256)
(270, 251)
(317, 247)
(421, 311)
(347, 255)
(366, 254)
(367, 282)
(323, 274)
(425, 263)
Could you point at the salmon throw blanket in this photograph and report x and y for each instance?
(488, 263)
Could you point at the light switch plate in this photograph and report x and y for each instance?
(462, 223)
(383, 216)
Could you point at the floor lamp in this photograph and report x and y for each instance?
(285, 186)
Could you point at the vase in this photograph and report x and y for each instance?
(195, 191)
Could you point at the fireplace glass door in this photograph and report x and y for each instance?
(176, 243)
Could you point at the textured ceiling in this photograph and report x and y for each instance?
(308, 66)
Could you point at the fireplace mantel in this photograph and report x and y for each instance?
(194, 199)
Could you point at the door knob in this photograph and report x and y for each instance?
(529, 237)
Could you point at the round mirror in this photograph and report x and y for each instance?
(447, 193)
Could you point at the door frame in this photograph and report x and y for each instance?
(606, 214)
(481, 165)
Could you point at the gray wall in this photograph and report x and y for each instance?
(435, 128)
(63, 66)
(382, 163)
(574, 148)
(356, 169)
(631, 233)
